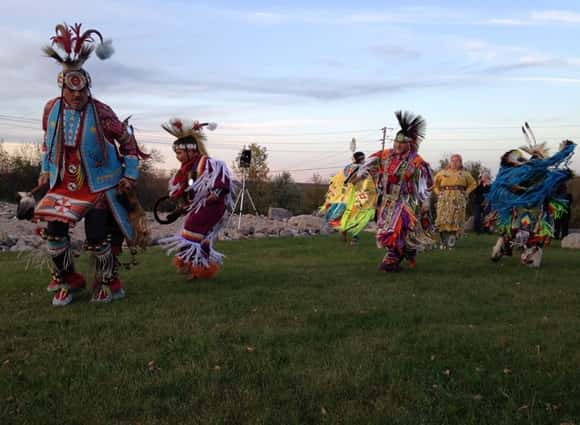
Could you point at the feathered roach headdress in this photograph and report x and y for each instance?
(358, 157)
(513, 158)
(189, 134)
(565, 143)
(412, 128)
(76, 47)
(533, 148)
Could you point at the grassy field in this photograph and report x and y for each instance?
(300, 331)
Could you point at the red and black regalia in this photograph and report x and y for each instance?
(203, 188)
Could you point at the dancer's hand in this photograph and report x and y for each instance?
(125, 185)
(43, 179)
(214, 196)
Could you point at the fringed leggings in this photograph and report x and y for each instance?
(104, 238)
(394, 256)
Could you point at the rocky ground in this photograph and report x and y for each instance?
(17, 235)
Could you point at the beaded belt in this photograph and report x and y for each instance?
(453, 187)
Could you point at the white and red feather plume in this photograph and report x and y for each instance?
(180, 129)
(76, 46)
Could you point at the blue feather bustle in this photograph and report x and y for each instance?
(527, 193)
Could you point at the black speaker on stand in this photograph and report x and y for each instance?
(244, 165)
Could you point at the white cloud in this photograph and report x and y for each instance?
(559, 80)
(266, 17)
(484, 51)
(388, 51)
(480, 50)
(335, 16)
(556, 16)
(544, 17)
(502, 57)
(505, 21)
(87, 12)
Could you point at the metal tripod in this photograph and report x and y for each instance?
(240, 198)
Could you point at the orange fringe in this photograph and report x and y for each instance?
(196, 271)
(391, 241)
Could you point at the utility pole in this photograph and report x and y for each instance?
(384, 129)
(384, 138)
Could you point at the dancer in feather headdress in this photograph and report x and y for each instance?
(349, 206)
(405, 180)
(89, 175)
(204, 191)
(524, 198)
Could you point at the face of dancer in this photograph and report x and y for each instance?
(184, 155)
(402, 147)
(455, 163)
(76, 99)
(181, 155)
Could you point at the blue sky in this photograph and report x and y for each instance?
(303, 78)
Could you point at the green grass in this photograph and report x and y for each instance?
(300, 331)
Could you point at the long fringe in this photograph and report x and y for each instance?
(56, 249)
(191, 251)
(105, 264)
(138, 220)
(203, 185)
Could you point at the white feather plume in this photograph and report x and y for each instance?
(105, 50)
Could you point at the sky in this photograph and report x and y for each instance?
(302, 78)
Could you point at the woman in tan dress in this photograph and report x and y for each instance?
(452, 187)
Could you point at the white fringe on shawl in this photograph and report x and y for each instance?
(191, 251)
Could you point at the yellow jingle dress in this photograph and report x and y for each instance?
(452, 188)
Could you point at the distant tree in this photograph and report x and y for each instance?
(4, 158)
(443, 164)
(286, 193)
(314, 193)
(316, 179)
(153, 182)
(258, 171)
(19, 171)
(476, 168)
(148, 165)
(30, 152)
(257, 177)
(261, 193)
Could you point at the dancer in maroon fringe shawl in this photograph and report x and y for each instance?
(203, 188)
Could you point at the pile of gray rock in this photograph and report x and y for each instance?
(571, 241)
(16, 235)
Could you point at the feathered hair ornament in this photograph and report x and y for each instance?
(189, 134)
(513, 158)
(76, 46)
(533, 148)
(412, 128)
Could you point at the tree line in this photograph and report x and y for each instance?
(19, 172)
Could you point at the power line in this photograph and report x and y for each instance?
(16, 118)
(258, 134)
(518, 127)
(22, 122)
(336, 167)
(7, 117)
